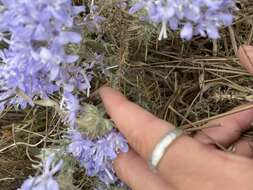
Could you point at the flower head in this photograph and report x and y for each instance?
(94, 20)
(97, 155)
(35, 61)
(46, 180)
(72, 107)
(194, 17)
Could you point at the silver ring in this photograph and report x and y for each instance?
(162, 146)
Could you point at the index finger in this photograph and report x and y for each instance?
(143, 131)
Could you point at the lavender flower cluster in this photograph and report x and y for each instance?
(97, 155)
(193, 17)
(35, 65)
(35, 61)
(46, 180)
(93, 20)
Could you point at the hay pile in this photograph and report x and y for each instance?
(185, 83)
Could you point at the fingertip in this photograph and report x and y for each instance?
(112, 100)
(108, 91)
(103, 90)
(111, 95)
(245, 54)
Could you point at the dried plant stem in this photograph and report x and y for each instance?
(21, 143)
(215, 48)
(7, 178)
(240, 109)
(250, 36)
(233, 39)
(185, 119)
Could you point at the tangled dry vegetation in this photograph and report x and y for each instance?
(186, 83)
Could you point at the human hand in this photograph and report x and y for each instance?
(190, 163)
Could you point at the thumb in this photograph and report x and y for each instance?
(245, 55)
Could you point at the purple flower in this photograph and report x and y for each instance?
(72, 107)
(93, 20)
(117, 142)
(187, 31)
(46, 180)
(136, 7)
(97, 155)
(35, 61)
(193, 17)
(38, 31)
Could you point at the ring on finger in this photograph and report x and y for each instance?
(162, 146)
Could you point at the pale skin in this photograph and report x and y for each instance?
(190, 163)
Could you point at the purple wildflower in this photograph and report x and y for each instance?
(194, 17)
(97, 155)
(35, 61)
(187, 31)
(46, 180)
(93, 20)
(122, 4)
(72, 107)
